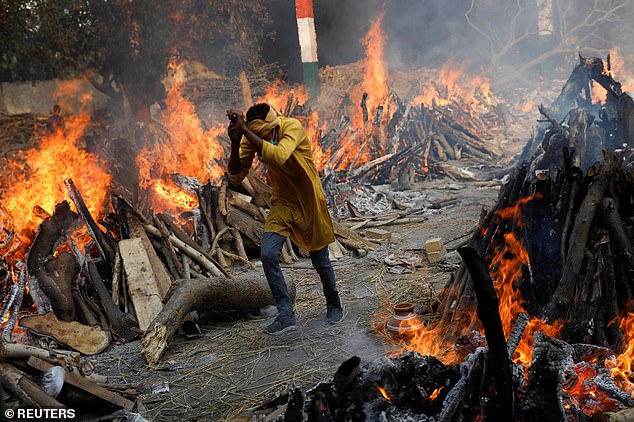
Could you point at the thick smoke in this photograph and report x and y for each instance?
(502, 36)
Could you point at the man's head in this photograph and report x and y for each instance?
(57, 109)
(258, 111)
(263, 120)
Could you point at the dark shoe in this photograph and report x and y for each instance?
(334, 314)
(282, 324)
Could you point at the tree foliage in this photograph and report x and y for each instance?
(127, 42)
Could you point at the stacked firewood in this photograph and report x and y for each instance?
(142, 273)
(576, 221)
(407, 144)
(574, 217)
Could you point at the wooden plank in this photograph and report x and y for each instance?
(163, 279)
(83, 338)
(142, 281)
(85, 385)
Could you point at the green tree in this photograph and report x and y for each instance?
(124, 46)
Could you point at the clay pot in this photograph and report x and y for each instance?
(403, 322)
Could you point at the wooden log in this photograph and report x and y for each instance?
(517, 333)
(162, 277)
(89, 316)
(11, 307)
(83, 338)
(116, 277)
(247, 207)
(578, 238)
(201, 231)
(221, 258)
(85, 385)
(169, 246)
(118, 323)
(618, 234)
(214, 244)
(239, 244)
(20, 351)
(205, 205)
(610, 301)
(48, 235)
(194, 254)
(198, 294)
(102, 242)
(235, 257)
(248, 226)
(216, 200)
(349, 236)
(489, 315)
(184, 239)
(551, 358)
(261, 191)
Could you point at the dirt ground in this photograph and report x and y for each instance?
(235, 366)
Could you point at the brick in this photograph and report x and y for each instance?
(434, 245)
(436, 256)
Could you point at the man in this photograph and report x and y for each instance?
(298, 204)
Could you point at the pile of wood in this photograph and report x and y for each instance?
(400, 139)
(574, 217)
(57, 381)
(143, 274)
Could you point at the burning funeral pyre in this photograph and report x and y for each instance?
(537, 322)
(91, 256)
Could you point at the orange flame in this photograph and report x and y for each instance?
(38, 179)
(278, 95)
(434, 395)
(622, 372)
(454, 84)
(375, 72)
(190, 149)
(508, 263)
(621, 71)
(384, 393)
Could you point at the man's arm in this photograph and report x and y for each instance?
(235, 135)
(240, 157)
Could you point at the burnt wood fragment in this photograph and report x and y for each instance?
(489, 315)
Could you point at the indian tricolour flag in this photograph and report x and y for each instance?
(308, 44)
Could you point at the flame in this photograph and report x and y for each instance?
(508, 264)
(38, 178)
(598, 93)
(622, 372)
(434, 395)
(312, 130)
(455, 84)
(279, 96)
(620, 70)
(374, 81)
(384, 393)
(189, 149)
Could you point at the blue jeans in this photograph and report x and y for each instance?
(270, 256)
